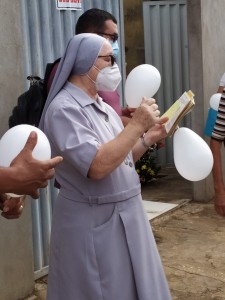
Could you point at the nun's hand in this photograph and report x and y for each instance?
(146, 115)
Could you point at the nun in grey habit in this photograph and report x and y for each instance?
(102, 246)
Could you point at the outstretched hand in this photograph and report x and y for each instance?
(32, 174)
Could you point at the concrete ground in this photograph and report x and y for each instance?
(190, 239)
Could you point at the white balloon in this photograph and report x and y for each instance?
(13, 141)
(144, 80)
(214, 101)
(192, 156)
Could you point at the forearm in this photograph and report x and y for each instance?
(113, 153)
(152, 136)
(110, 155)
(217, 166)
(141, 147)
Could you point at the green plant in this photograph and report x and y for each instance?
(146, 167)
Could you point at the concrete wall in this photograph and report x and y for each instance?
(206, 58)
(134, 34)
(11, 59)
(16, 263)
(213, 45)
(207, 64)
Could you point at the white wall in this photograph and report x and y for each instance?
(10, 62)
(213, 44)
(207, 64)
(16, 262)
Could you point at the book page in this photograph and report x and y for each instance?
(177, 111)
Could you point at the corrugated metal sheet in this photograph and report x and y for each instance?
(46, 32)
(166, 48)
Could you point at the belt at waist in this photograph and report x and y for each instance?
(103, 199)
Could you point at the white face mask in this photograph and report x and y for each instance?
(108, 79)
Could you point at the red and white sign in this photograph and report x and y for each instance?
(69, 4)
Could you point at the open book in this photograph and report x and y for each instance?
(178, 110)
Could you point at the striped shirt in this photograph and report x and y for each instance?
(218, 132)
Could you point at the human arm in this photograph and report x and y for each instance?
(128, 111)
(26, 175)
(217, 172)
(11, 207)
(216, 141)
(126, 115)
(110, 155)
(125, 120)
(152, 136)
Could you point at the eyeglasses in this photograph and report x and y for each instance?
(113, 37)
(112, 57)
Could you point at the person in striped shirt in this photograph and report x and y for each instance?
(216, 141)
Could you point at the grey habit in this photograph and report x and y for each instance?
(102, 246)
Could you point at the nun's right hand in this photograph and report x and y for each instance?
(147, 114)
